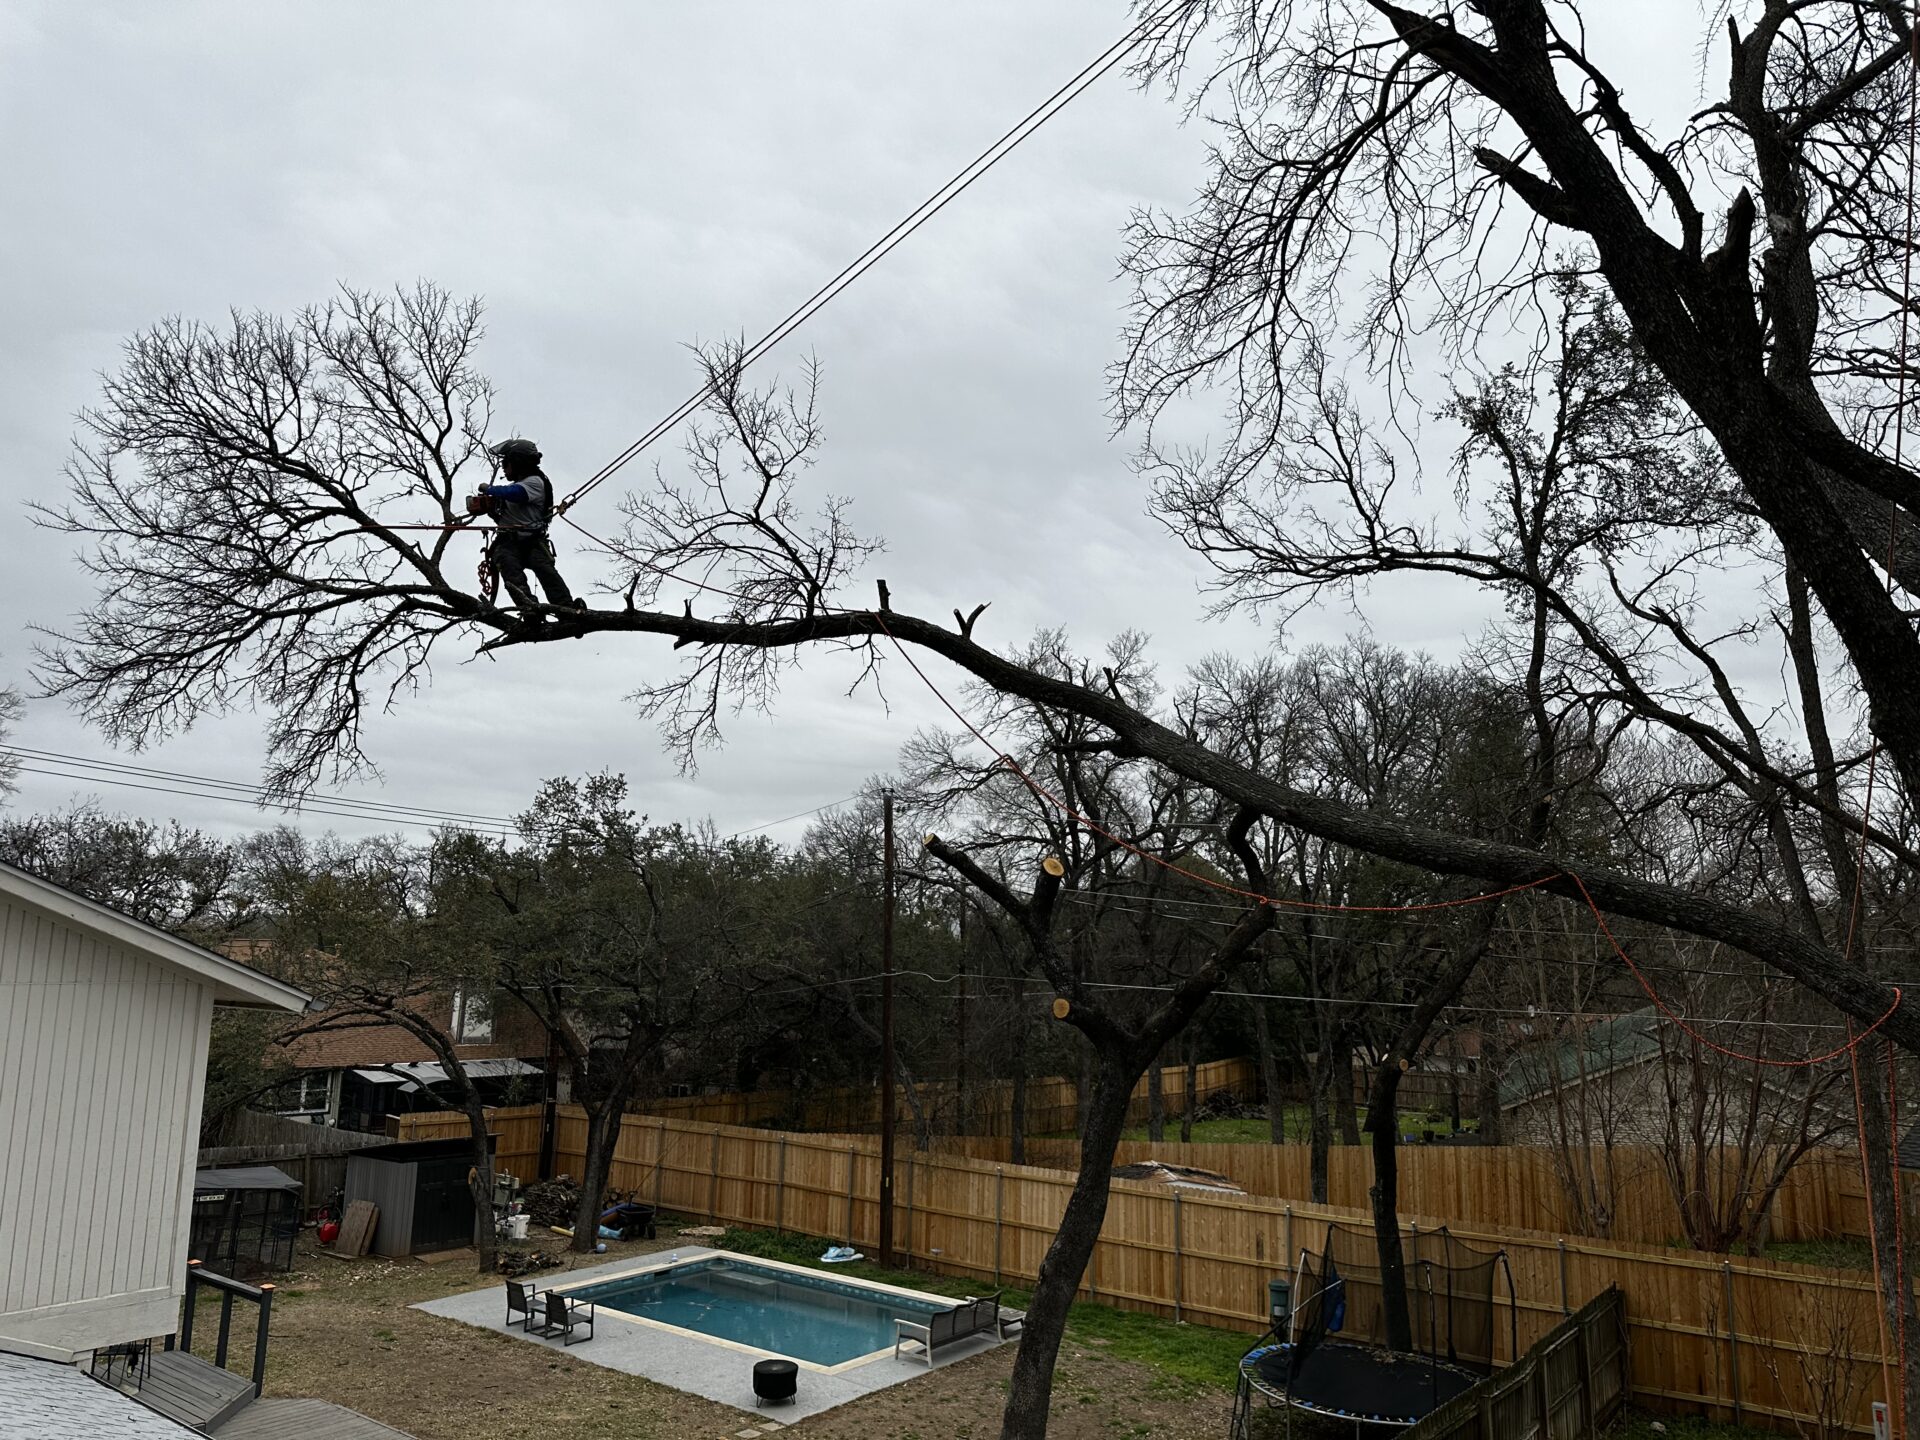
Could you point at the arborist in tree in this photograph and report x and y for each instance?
(522, 508)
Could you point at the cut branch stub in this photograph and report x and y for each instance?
(1061, 1007)
(1054, 866)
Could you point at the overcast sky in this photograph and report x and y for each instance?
(618, 180)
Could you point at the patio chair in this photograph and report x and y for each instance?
(564, 1315)
(522, 1300)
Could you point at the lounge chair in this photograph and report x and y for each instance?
(1008, 1323)
(970, 1317)
(564, 1315)
(522, 1300)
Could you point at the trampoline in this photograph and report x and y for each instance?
(1327, 1355)
(1340, 1381)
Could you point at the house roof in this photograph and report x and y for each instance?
(233, 984)
(52, 1401)
(1602, 1045)
(369, 1045)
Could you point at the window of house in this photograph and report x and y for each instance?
(472, 1017)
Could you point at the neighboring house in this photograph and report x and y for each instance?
(1605, 1078)
(103, 1052)
(355, 1078)
(1609, 1065)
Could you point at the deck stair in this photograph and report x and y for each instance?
(186, 1388)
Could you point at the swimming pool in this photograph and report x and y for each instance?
(782, 1310)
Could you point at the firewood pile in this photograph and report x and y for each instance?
(552, 1202)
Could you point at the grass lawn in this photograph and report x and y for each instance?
(1640, 1425)
(1834, 1254)
(344, 1331)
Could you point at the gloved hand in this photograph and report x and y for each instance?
(479, 504)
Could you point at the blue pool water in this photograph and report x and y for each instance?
(815, 1318)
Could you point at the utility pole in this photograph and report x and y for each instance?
(886, 1038)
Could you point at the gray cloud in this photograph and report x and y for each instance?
(619, 180)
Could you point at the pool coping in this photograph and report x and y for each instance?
(687, 1257)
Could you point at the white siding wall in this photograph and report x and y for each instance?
(102, 1058)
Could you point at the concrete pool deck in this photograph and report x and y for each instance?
(713, 1369)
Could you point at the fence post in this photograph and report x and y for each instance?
(780, 1191)
(1286, 1260)
(187, 1306)
(1733, 1342)
(1176, 1257)
(713, 1181)
(260, 1339)
(1565, 1308)
(999, 1201)
(849, 1194)
(226, 1325)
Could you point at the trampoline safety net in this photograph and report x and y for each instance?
(1449, 1287)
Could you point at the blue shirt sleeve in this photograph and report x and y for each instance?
(505, 492)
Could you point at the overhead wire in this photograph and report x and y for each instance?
(955, 186)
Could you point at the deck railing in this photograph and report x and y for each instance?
(229, 1290)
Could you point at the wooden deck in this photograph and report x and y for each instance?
(193, 1391)
(302, 1420)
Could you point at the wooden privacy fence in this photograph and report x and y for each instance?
(1749, 1340)
(1510, 1186)
(315, 1155)
(1572, 1381)
(1051, 1103)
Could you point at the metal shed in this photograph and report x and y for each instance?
(421, 1190)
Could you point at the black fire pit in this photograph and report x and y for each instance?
(775, 1380)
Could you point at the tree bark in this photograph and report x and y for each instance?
(1384, 1198)
(1193, 1077)
(1269, 1075)
(1031, 1388)
(1493, 1061)
(480, 1176)
(603, 1136)
(1884, 1200)
(1344, 1106)
(1319, 1124)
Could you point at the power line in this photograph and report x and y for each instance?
(954, 187)
(304, 807)
(181, 776)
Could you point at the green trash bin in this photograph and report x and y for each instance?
(1280, 1305)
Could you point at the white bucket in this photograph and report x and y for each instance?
(516, 1227)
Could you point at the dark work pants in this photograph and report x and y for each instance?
(515, 552)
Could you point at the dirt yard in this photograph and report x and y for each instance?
(343, 1331)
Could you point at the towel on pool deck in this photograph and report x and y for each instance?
(840, 1255)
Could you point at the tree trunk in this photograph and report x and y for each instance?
(1384, 1196)
(1883, 1198)
(603, 1136)
(1192, 1079)
(1487, 1091)
(1083, 1090)
(1017, 1098)
(1343, 1102)
(1320, 1123)
(1031, 1387)
(480, 1181)
(1156, 1103)
(1270, 1075)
